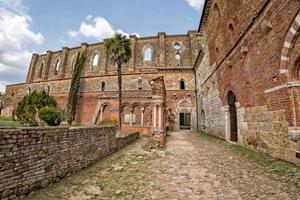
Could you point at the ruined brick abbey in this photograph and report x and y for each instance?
(237, 77)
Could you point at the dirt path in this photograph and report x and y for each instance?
(189, 168)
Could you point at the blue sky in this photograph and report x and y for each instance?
(28, 26)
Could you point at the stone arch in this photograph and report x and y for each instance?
(288, 45)
(225, 93)
(106, 111)
(136, 109)
(126, 110)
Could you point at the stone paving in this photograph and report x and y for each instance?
(189, 168)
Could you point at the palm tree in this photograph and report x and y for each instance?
(119, 51)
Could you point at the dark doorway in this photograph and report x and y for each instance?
(185, 121)
(233, 117)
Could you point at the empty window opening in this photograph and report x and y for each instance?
(102, 86)
(178, 56)
(177, 46)
(57, 67)
(182, 85)
(96, 59)
(148, 54)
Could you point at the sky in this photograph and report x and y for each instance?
(35, 26)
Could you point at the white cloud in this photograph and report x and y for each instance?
(15, 36)
(98, 28)
(196, 4)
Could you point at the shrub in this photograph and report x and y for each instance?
(29, 107)
(108, 122)
(50, 115)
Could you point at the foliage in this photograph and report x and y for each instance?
(50, 115)
(29, 107)
(74, 88)
(108, 122)
(119, 51)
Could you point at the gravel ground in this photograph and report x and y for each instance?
(190, 167)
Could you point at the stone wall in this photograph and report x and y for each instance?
(267, 132)
(251, 51)
(31, 158)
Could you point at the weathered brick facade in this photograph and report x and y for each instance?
(31, 158)
(248, 74)
(172, 57)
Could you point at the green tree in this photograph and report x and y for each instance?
(119, 51)
(74, 88)
(29, 107)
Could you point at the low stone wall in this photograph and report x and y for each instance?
(31, 158)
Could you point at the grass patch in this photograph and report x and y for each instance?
(288, 171)
(8, 122)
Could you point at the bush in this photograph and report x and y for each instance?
(29, 107)
(50, 115)
(108, 122)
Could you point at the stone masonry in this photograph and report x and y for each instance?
(171, 56)
(247, 75)
(32, 158)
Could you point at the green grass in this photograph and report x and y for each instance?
(288, 171)
(8, 122)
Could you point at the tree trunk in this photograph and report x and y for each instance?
(120, 94)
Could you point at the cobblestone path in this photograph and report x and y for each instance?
(190, 167)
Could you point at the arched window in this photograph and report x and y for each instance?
(102, 86)
(13, 94)
(177, 46)
(182, 84)
(57, 67)
(148, 54)
(178, 56)
(41, 70)
(230, 27)
(96, 59)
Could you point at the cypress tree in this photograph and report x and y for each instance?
(74, 88)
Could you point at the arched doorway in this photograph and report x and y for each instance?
(233, 116)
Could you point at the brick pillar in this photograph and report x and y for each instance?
(64, 61)
(162, 49)
(31, 70)
(132, 63)
(48, 63)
